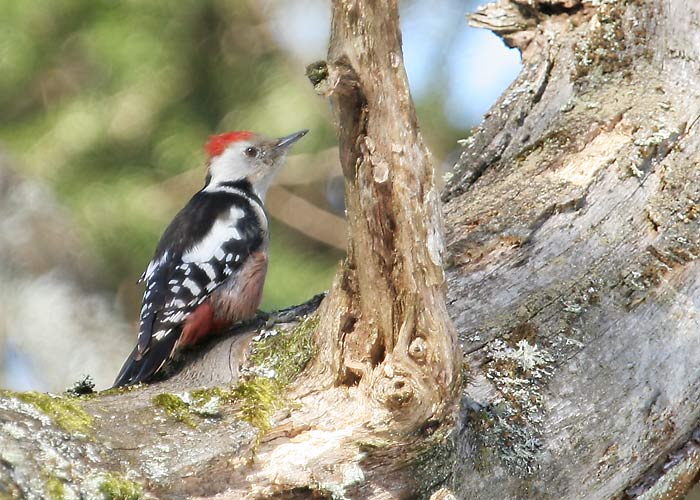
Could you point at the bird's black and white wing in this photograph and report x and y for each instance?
(205, 245)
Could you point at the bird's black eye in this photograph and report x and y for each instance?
(251, 151)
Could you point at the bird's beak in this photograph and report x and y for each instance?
(286, 141)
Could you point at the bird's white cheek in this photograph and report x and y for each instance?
(230, 166)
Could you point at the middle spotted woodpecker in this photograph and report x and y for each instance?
(209, 267)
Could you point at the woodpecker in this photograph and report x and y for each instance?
(210, 264)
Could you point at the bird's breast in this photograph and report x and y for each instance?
(239, 297)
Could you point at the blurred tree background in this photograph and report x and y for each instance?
(107, 106)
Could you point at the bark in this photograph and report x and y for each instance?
(572, 242)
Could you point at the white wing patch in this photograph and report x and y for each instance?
(224, 229)
(209, 270)
(193, 287)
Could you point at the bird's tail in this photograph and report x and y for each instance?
(140, 368)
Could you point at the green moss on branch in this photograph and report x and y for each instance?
(276, 358)
(282, 355)
(117, 487)
(66, 411)
(55, 488)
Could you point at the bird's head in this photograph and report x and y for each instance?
(247, 156)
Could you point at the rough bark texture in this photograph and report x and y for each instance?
(388, 328)
(573, 237)
(572, 231)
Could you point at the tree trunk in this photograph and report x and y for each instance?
(572, 241)
(573, 238)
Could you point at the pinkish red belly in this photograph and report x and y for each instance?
(197, 325)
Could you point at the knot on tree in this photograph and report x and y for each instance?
(336, 78)
(394, 392)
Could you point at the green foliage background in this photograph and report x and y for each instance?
(107, 102)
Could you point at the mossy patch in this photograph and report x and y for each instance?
(276, 358)
(186, 406)
(206, 402)
(282, 355)
(114, 391)
(260, 398)
(509, 429)
(66, 411)
(174, 406)
(117, 487)
(55, 488)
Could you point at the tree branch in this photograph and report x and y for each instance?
(573, 245)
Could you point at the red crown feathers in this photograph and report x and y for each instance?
(218, 143)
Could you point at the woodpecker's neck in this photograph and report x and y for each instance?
(261, 186)
(241, 186)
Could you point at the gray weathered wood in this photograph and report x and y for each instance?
(573, 235)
